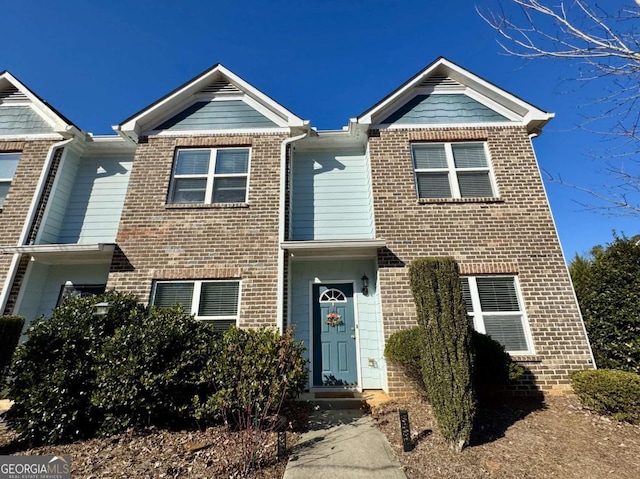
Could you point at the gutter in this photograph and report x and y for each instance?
(281, 223)
(37, 195)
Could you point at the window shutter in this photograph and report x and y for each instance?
(429, 156)
(232, 161)
(219, 299)
(467, 155)
(475, 184)
(497, 294)
(507, 330)
(433, 185)
(192, 162)
(168, 294)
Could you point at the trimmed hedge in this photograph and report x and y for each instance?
(10, 330)
(609, 392)
(447, 354)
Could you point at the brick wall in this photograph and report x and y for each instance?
(513, 234)
(160, 241)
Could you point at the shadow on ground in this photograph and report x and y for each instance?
(495, 417)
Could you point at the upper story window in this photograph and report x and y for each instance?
(212, 175)
(495, 307)
(8, 165)
(452, 170)
(207, 300)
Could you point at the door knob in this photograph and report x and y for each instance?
(353, 336)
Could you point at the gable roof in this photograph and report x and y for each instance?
(217, 81)
(445, 76)
(14, 92)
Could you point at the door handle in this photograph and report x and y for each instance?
(353, 336)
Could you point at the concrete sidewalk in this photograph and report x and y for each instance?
(343, 444)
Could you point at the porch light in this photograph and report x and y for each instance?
(101, 309)
(365, 284)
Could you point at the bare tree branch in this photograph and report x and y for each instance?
(607, 43)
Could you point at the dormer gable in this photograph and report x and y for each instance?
(217, 100)
(445, 94)
(25, 115)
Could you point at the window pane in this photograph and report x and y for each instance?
(469, 155)
(232, 161)
(189, 190)
(229, 190)
(497, 294)
(168, 294)
(466, 294)
(192, 162)
(219, 299)
(433, 185)
(507, 330)
(8, 164)
(429, 156)
(475, 184)
(4, 189)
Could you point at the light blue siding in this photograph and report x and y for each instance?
(439, 108)
(331, 196)
(303, 273)
(44, 282)
(95, 205)
(217, 115)
(21, 120)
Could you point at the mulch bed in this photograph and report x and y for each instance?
(518, 439)
(215, 452)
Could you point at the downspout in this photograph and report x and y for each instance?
(573, 291)
(42, 181)
(281, 223)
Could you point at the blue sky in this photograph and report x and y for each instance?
(99, 62)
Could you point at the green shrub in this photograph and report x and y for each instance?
(493, 365)
(10, 329)
(609, 392)
(53, 376)
(447, 355)
(150, 370)
(255, 371)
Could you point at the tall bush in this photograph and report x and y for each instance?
(448, 358)
(10, 329)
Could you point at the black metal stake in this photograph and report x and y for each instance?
(282, 444)
(407, 444)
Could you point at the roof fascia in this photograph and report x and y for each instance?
(185, 94)
(60, 124)
(531, 115)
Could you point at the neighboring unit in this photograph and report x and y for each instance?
(220, 199)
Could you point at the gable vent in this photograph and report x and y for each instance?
(441, 82)
(220, 86)
(10, 92)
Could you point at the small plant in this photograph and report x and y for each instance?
(10, 329)
(447, 354)
(609, 392)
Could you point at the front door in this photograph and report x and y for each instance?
(334, 336)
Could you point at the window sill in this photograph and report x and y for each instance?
(427, 201)
(190, 206)
(526, 358)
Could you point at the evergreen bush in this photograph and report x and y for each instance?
(609, 392)
(10, 330)
(447, 356)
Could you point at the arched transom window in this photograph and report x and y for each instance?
(332, 295)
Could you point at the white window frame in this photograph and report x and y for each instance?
(451, 170)
(477, 314)
(195, 299)
(8, 180)
(210, 176)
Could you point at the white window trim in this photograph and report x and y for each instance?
(195, 299)
(210, 176)
(451, 170)
(478, 315)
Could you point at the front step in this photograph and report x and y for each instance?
(363, 401)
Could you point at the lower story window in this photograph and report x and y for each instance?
(70, 290)
(207, 300)
(495, 307)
